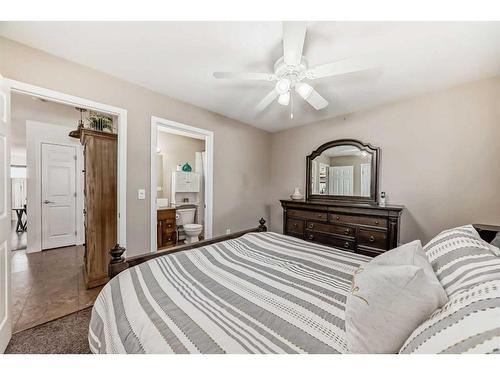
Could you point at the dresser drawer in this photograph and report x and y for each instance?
(372, 238)
(330, 240)
(369, 251)
(295, 226)
(308, 215)
(344, 230)
(362, 220)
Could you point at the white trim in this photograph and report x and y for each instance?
(158, 123)
(59, 97)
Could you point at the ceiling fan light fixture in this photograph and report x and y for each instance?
(303, 89)
(284, 99)
(283, 86)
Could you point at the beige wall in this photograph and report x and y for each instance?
(176, 150)
(440, 151)
(241, 152)
(440, 156)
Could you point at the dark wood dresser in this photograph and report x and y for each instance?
(166, 228)
(361, 228)
(100, 213)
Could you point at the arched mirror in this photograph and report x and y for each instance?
(344, 170)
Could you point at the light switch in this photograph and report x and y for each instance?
(141, 194)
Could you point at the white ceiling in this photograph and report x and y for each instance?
(341, 151)
(178, 59)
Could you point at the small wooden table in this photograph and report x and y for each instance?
(486, 231)
(20, 226)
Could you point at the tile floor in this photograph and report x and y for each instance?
(47, 285)
(18, 240)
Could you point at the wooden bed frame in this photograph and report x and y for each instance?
(119, 263)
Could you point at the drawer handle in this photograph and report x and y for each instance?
(311, 237)
(320, 215)
(377, 222)
(346, 245)
(295, 225)
(347, 231)
(371, 239)
(311, 226)
(337, 217)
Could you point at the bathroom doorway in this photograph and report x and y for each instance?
(181, 183)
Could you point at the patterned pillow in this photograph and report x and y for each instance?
(468, 323)
(461, 259)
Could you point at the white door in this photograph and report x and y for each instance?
(341, 180)
(5, 297)
(366, 176)
(58, 196)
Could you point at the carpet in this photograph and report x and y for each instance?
(66, 335)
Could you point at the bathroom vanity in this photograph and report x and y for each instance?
(166, 228)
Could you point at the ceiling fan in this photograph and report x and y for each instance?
(291, 70)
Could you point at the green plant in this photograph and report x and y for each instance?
(100, 122)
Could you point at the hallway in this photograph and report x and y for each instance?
(47, 285)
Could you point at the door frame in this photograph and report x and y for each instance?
(75, 101)
(363, 179)
(187, 131)
(38, 133)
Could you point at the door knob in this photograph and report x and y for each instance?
(47, 202)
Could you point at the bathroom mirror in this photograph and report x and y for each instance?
(344, 170)
(160, 186)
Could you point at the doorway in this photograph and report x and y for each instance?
(341, 180)
(62, 294)
(203, 161)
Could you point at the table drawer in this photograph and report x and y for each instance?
(168, 225)
(361, 220)
(344, 230)
(295, 226)
(330, 240)
(372, 238)
(308, 215)
(165, 214)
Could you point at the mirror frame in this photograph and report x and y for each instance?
(373, 151)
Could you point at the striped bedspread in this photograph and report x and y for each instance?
(260, 293)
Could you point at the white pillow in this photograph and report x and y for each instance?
(468, 323)
(461, 259)
(390, 297)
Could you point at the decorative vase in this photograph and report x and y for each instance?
(297, 195)
(187, 168)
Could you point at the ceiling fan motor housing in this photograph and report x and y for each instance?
(281, 70)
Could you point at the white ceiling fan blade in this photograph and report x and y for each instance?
(336, 68)
(245, 76)
(293, 41)
(316, 100)
(268, 99)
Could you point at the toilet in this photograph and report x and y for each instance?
(185, 217)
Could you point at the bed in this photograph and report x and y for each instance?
(258, 293)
